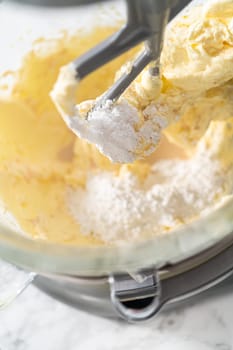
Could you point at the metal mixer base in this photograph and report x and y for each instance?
(120, 295)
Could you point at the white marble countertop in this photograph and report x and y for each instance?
(35, 321)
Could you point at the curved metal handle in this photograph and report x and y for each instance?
(136, 299)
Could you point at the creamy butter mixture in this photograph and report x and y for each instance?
(61, 188)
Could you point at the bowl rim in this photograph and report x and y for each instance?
(177, 245)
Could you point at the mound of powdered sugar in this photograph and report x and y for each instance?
(118, 130)
(120, 208)
(113, 129)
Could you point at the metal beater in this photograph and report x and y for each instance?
(146, 22)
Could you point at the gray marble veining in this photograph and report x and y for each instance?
(35, 322)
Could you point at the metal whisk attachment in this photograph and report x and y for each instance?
(146, 22)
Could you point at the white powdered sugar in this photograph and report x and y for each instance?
(119, 131)
(113, 128)
(120, 208)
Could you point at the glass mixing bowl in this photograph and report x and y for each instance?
(19, 26)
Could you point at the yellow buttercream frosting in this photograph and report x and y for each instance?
(197, 65)
(40, 157)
